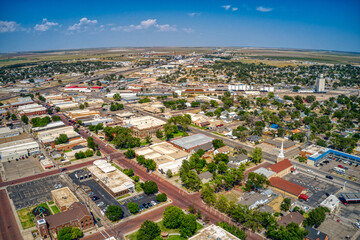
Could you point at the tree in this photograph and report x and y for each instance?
(316, 217)
(169, 173)
(117, 97)
(222, 167)
(13, 117)
(208, 195)
(82, 106)
(133, 207)
(130, 153)
(89, 153)
(90, 143)
(150, 164)
(148, 231)
(296, 88)
(221, 157)
(172, 217)
(218, 143)
(257, 155)
(161, 197)
(192, 181)
(114, 213)
(148, 139)
(159, 134)
(98, 153)
(256, 181)
(55, 118)
(63, 138)
(140, 159)
(285, 205)
(25, 119)
(149, 187)
(79, 122)
(291, 232)
(69, 233)
(321, 143)
(214, 103)
(188, 225)
(233, 230)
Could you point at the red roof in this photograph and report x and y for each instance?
(97, 87)
(286, 186)
(73, 86)
(281, 166)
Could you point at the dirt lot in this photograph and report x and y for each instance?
(275, 204)
(23, 168)
(232, 195)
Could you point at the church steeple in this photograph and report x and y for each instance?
(281, 155)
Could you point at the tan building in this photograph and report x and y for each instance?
(63, 198)
(82, 114)
(213, 232)
(145, 126)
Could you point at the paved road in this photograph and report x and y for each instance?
(8, 226)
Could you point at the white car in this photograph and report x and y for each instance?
(153, 203)
(309, 170)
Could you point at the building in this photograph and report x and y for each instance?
(286, 187)
(21, 102)
(76, 216)
(82, 114)
(235, 162)
(97, 121)
(315, 234)
(63, 198)
(205, 177)
(144, 126)
(266, 172)
(48, 137)
(193, 143)
(49, 126)
(17, 149)
(213, 232)
(224, 149)
(351, 197)
(331, 202)
(280, 143)
(282, 168)
(31, 109)
(46, 164)
(111, 179)
(6, 132)
(253, 199)
(294, 217)
(320, 84)
(166, 156)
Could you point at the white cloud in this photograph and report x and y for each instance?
(45, 25)
(193, 14)
(188, 30)
(146, 24)
(264, 9)
(227, 7)
(83, 24)
(234, 9)
(9, 26)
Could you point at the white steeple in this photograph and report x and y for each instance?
(281, 154)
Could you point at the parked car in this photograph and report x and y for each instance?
(329, 177)
(340, 166)
(94, 198)
(64, 169)
(309, 170)
(90, 193)
(149, 204)
(145, 205)
(100, 204)
(153, 203)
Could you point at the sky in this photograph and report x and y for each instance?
(50, 25)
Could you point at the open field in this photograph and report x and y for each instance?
(275, 204)
(232, 195)
(25, 218)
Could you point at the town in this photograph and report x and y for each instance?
(200, 144)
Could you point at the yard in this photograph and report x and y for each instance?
(133, 236)
(55, 209)
(25, 218)
(231, 195)
(275, 204)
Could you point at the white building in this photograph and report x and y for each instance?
(96, 121)
(213, 232)
(239, 87)
(331, 203)
(17, 149)
(320, 84)
(6, 132)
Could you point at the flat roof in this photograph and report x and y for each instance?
(351, 196)
(266, 172)
(192, 141)
(145, 122)
(213, 232)
(64, 197)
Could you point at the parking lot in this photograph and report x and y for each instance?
(351, 168)
(35, 192)
(22, 168)
(336, 230)
(108, 199)
(318, 189)
(350, 211)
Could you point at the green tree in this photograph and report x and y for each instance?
(148, 139)
(169, 173)
(285, 205)
(69, 233)
(114, 213)
(291, 232)
(233, 230)
(159, 134)
(63, 138)
(161, 197)
(148, 231)
(172, 217)
(149, 187)
(98, 153)
(90, 143)
(192, 181)
(55, 118)
(188, 225)
(150, 164)
(130, 153)
(13, 117)
(117, 97)
(133, 207)
(316, 217)
(218, 143)
(257, 155)
(25, 119)
(208, 195)
(256, 181)
(89, 153)
(221, 157)
(82, 106)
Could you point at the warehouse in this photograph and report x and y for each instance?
(31, 109)
(111, 179)
(144, 126)
(193, 143)
(97, 121)
(49, 126)
(6, 132)
(17, 149)
(82, 114)
(48, 137)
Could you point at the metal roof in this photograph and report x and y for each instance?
(192, 141)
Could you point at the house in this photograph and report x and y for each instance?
(315, 234)
(76, 216)
(253, 199)
(294, 217)
(224, 149)
(234, 162)
(205, 177)
(331, 203)
(253, 139)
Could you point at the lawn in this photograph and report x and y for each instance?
(25, 218)
(55, 209)
(123, 196)
(42, 205)
(275, 204)
(138, 187)
(51, 202)
(232, 195)
(133, 236)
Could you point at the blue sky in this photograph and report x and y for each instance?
(43, 25)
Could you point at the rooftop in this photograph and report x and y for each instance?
(268, 173)
(213, 232)
(286, 186)
(291, 217)
(64, 196)
(281, 166)
(277, 143)
(192, 141)
(145, 122)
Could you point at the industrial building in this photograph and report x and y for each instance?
(111, 179)
(48, 137)
(97, 121)
(49, 126)
(21, 102)
(82, 114)
(193, 143)
(17, 149)
(31, 109)
(6, 132)
(166, 156)
(144, 126)
(63, 198)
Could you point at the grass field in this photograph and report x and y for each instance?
(51, 202)
(55, 209)
(41, 205)
(25, 218)
(232, 195)
(133, 236)
(138, 187)
(275, 204)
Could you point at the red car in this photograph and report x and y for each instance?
(220, 125)
(340, 166)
